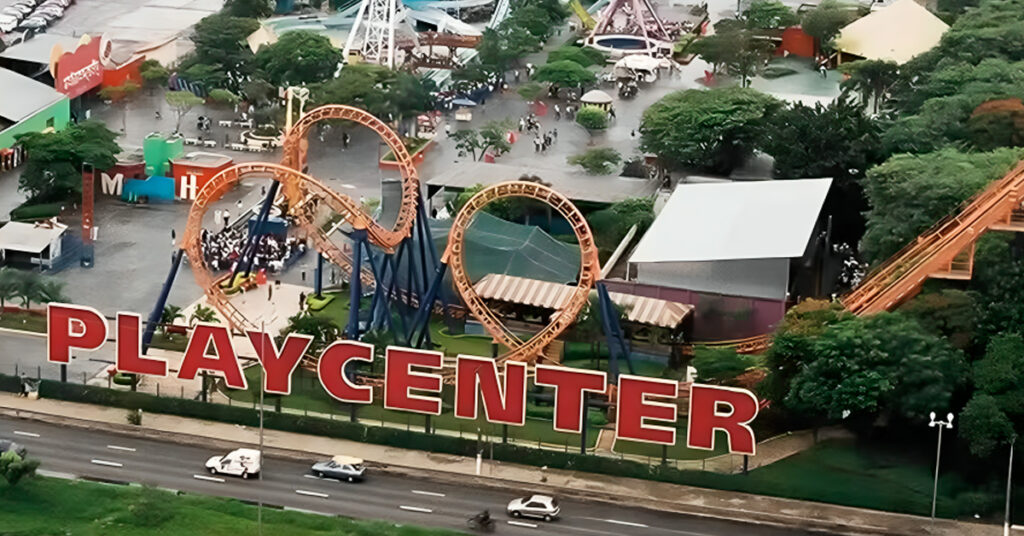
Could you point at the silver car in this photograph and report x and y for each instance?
(538, 506)
(341, 468)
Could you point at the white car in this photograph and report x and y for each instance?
(7, 23)
(245, 463)
(538, 506)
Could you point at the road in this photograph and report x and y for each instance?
(67, 451)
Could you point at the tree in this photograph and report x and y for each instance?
(597, 161)
(564, 73)
(54, 168)
(182, 103)
(124, 92)
(299, 57)
(881, 366)
(793, 344)
(203, 313)
(153, 74)
(769, 15)
(13, 468)
(323, 330)
(257, 9)
(49, 290)
(872, 79)
(492, 135)
(592, 118)
(221, 51)
(720, 365)
(908, 193)
(259, 92)
(169, 315)
(611, 224)
(223, 96)
(989, 417)
(584, 56)
(997, 123)
(824, 21)
(712, 130)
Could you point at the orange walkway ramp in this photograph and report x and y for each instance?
(945, 251)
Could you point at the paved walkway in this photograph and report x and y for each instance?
(670, 497)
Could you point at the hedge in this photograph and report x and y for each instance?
(36, 212)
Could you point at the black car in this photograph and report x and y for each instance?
(6, 446)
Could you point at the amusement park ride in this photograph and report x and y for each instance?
(315, 209)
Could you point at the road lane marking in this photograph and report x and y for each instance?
(106, 463)
(56, 474)
(522, 524)
(311, 493)
(26, 434)
(417, 509)
(125, 449)
(428, 493)
(208, 478)
(626, 523)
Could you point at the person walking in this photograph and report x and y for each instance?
(302, 301)
(345, 139)
(558, 113)
(227, 217)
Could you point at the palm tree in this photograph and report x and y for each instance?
(323, 330)
(169, 315)
(28, 287)
(203, 313)
(872, 78)
(49, 290)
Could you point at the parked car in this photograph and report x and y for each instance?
(245, 463)
(7, 446)
(7, 23)
(538, 506)
(48, 16)
(35, 23)
(18, 13)
(341, 468)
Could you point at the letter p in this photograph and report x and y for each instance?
(72, 326)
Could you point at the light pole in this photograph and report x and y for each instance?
(1009, 479)
(259, 511)
(948, 423)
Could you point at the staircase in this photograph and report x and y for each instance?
(945, 251)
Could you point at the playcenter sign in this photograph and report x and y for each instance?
(646, 407)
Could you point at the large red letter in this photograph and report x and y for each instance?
(706, 417)
(224, 360)
(331, 370)
(502, 404)
(569, 386)
(399, 379)
(634, 409)
(72, 326)
(278, 367)
(129, 349)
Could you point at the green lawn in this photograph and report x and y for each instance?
(46, 506)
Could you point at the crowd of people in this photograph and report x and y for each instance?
(224, 250)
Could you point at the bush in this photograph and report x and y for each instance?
(592, 118)
(223, 96)
(134, 417)
(597, 161)
(39, 211)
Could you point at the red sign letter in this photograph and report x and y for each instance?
(129, 348)
(278, 368)
(569, 386)
(634, 409)
(224, 360)
(706, 417)
(72, 326)
(331, 370)
(399, 380)
(501, 405)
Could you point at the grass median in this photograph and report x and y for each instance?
(54, 506)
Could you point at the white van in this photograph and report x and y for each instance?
(245, 463)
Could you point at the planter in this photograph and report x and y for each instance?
(417, 157)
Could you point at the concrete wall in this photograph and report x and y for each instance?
(59, 112)
(754, 278)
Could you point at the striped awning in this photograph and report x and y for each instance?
(548, 295)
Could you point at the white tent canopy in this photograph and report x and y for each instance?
(596, 96)
(897, 32)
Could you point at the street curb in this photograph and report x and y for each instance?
(748, 517)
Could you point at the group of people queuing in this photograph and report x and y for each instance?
(224, 250)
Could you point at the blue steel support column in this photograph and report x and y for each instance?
(613, 333)
(158, 309)
(422, 321)
(355, 283)
(249, 251)
(318, 283)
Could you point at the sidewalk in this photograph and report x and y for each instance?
(456, 469)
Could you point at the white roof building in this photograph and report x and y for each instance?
(733, 238)
(897, 32)
(33, 243)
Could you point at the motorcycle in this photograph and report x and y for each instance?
(481, 522)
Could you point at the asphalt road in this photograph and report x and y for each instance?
(66, 451)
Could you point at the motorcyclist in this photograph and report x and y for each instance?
(484, 517)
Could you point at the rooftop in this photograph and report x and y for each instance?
(577, 186)
(897, 32)
(734, 220)
(29, 237)
(203, 159)
(39, 48)
(23, 97)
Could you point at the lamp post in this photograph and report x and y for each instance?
(1009, 479)
(948, 423)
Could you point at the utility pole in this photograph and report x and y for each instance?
(259, 511)
(1009, 479)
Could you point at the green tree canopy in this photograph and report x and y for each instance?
(713, 130)
(220, 47)
(997, 406)
(585, 56)
(793, 344)
(824, 21)
(597, 161)
(909, 193)
(299, 57)
(769, 15)
(13, 468)
(736, 50)
(492, 135)
(565, 73)
(182, 103)
(323, 330)
(720, 365)
(256, 9)
(153, 74)
(54, 168)
(885, 365)
(871, 78)
(592, 118)
(611, 224)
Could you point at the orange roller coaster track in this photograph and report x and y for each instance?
(590, 269)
